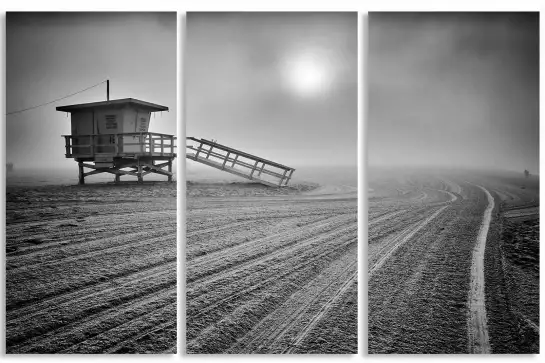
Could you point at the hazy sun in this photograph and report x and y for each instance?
(307, 73)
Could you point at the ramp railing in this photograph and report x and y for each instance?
(238, 162)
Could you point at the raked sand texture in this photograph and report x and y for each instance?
(91, 269)
(453, 264)
(271, 270)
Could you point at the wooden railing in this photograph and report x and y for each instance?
(119, 145)
(238, 162)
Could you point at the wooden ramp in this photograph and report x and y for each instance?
(238, 162)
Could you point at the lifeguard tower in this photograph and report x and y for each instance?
(113, 137)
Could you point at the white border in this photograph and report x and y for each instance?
(248, 5)
(180, 189)
(362, 185)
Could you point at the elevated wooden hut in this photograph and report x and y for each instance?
(113, 137)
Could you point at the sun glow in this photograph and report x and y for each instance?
(307, 73)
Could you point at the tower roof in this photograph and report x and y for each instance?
(118, 103)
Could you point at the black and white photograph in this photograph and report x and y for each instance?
(271, 118)
(453, 183)
(90, 238)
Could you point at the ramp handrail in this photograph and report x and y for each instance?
(228, 161)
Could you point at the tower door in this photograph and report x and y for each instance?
(82, 124)
(132, 144)
(142, 121)
(107, 125)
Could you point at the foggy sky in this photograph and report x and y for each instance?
(236, 93)
(454, 90)
(51, 55)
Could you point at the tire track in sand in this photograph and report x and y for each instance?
(309, 262)
(119, 333)
(478, 338)
(95, 251)
(58, 336)
(88, 291)
(453, 197)
(270, 333)
(323, 311)
(384, 217)
(402, 239)
(134, 339)
(453, 186)
(263, 247)
(288, 255)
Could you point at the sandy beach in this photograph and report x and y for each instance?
(91, 269)
(454, 260)
(271, 270)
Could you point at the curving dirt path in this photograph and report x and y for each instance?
(479, 341)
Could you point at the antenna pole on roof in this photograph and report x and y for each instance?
(107, 90)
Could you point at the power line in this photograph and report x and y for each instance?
(58, 99)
